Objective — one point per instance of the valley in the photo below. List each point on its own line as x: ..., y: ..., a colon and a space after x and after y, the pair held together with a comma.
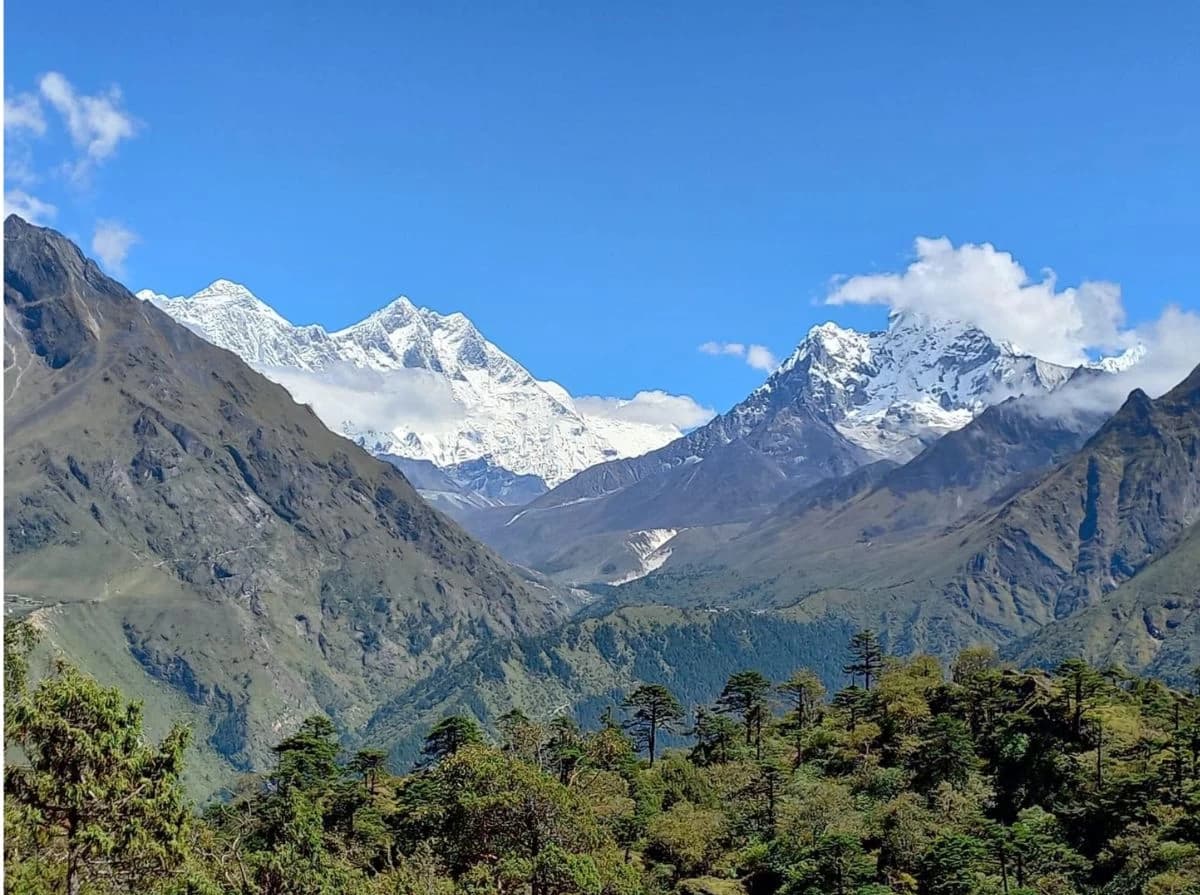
x: 925, y: 482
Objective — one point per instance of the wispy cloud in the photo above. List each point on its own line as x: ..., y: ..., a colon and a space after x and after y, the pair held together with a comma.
x: 31, y: 208
x: 111, y: 244
x: 24, y: 113
x: 760, y: 357
x: 97, y: 124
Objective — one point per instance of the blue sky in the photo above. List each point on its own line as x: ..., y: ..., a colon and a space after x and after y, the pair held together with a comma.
x: 605, y: 187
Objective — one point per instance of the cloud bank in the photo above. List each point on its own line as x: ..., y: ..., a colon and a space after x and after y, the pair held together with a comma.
x: 654, y: 407
x: 355, y: 399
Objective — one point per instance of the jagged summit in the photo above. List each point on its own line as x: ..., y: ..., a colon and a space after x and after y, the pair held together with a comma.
x: 892, y: 391
x: 476, y: 403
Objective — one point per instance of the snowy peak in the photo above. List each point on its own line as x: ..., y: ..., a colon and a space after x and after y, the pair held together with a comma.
x: 409, y: 382
x: 1126, y: 360
x: 231, y: 316
x: 226, y: 291
x: 891, y: 392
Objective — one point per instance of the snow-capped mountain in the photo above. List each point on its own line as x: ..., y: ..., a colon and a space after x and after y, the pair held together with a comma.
x: 891, y: 392
x: 409, y: 382
x: 842, y: 401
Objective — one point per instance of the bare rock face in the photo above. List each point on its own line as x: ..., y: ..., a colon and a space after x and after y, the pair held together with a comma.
x: 179, y: 524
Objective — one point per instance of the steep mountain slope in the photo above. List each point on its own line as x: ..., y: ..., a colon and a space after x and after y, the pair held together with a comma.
x: 409, y: 382
x: 179, y: 525
x: 902, y: 556
x: 1149, y: 625
x: 841, y: 401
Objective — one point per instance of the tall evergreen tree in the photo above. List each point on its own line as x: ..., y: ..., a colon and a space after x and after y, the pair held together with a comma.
x: 565, y: 747
x: 716, y: 738
x: 1081, y: 683
x: 91, y: 797
x: 866, y: 658
x: 309, y: 756
x: 369, y: 763
x: 745, y: 695
x: 804, y: 693
x: 449, y: 735
x: 655, y: 709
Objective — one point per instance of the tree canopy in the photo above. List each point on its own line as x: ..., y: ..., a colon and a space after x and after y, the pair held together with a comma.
x: 974, y: 780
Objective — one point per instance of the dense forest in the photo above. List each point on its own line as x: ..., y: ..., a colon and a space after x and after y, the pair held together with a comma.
x: 914, y: 778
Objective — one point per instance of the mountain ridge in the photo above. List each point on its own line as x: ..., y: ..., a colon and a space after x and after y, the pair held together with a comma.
x: 408, y: 381
x: 176, y: 523
x: 842, y: 400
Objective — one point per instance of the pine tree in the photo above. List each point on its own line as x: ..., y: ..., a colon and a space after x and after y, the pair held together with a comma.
x: 309, y: 756
x: 804, y: 692
x: 716, y: 737
x: 449, y: 735
x: 565, y: 747
x: 866, y: 658
x: 93, y: 799
x: 369, y: 763
x: 655, y: 709
x: 1081, y: 683
x: 745, y: 695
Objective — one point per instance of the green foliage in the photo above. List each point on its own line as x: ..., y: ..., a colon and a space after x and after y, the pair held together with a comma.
x: 745, y: 695
x: 985, y: 781
x: 449, y: 735
x: 90, y: 802
x: 655, y: 710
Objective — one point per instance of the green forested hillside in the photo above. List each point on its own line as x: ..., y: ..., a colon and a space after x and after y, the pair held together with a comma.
x: 912, y: 780
x: 181, y: 527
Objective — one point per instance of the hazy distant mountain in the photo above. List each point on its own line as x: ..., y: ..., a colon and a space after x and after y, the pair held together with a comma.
x: 178, y: 525
x: 409, y: 382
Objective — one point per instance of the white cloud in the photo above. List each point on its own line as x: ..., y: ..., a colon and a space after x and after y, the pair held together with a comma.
x: 1171, y: 351
x: 989, y: 288
x: 355, y: 400
x: 97, y: 124
x: 31, y: 208
x: 24, y: 113
x: 760, y: 357
x: 654, y: 407
x: 111, y: 244
x: 737, y: 349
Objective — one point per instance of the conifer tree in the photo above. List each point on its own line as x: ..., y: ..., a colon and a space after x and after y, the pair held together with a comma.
x: 449, y: 735
x: 91, y: 797
x: 804, y: 692
x: 369, y: 763
x: 745, y: 695
x: 866, y: 658
x: 655, y: 709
